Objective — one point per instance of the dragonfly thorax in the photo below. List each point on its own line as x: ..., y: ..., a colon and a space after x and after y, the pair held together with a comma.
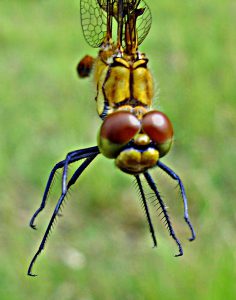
x: 125, y: 80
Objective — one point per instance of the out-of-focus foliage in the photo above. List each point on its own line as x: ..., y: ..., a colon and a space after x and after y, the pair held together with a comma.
x: 101, y: 248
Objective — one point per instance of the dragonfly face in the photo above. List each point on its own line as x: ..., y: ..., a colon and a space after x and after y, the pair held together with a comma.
x: 135, y: 144
x: 132, y: 133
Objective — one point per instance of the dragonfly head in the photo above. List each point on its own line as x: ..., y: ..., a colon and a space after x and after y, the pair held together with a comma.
x: 136, y: 145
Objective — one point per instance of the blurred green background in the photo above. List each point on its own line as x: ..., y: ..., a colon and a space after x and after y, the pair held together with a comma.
x: 101, y: 248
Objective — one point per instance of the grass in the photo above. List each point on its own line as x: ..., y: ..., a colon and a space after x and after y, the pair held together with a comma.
x: 101, y: 248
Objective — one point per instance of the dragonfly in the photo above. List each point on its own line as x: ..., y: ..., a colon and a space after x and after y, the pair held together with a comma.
x: 132, y: 133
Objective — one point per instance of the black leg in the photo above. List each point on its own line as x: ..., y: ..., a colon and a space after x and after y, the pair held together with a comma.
x: 74, y: 178
x: 174, y: 176
x: 75, y: 156
x: 166, y: 216
x: 146, y: 210
x: 78, y: 154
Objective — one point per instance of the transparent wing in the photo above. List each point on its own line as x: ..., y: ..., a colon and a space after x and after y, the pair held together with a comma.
x: 144, y: 22
x: 93, y: 14
x: 93, y: 22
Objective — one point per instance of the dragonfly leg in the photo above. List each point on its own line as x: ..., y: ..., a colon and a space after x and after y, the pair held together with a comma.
x: 45, y: 195
x: 146, y: 210
x: 76, y: 175
x: 79, y: 154
x: 174, y: 176
x: 152, y: 185
x: 75, y: 156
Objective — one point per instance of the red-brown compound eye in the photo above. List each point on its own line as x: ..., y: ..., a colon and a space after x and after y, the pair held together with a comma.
x: 159, y: 128
x: 117, y: 130
x: 120, y: 127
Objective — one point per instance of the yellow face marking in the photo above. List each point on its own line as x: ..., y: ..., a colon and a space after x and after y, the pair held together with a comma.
x: 141, y: 139
x: 133, y: 161
x: 150, y: 157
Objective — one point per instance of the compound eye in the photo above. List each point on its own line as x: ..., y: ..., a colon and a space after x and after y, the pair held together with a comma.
x: 159, y: 128
x: 116, y: 131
